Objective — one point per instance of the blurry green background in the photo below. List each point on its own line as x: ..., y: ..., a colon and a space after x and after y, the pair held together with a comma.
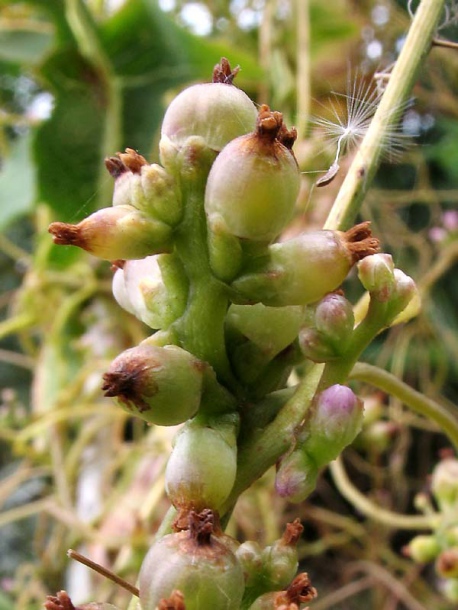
x: 78, y: 82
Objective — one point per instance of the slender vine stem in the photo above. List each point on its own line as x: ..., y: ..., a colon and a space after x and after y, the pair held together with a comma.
x: 364, y: 505
x: 411, y: 398
x: 401, y: 81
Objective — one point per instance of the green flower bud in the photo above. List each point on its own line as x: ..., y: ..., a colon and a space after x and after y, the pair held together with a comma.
x: 378, y: 435
x: 444, y: 483
x: 161, y: 385
x: 199, y: 565
x: 302, y: 270
x: 201, y: 470
x: 335, y: 422
x: 298, y: 593
x: 254, y: 182
x: 326, y: 335
x: 280, y: 559
x: 218, y: 112
x: 376, y: 274
x: 271, y: 329
x: 422, y: 549
x: 140, y: 289
x: 404, y: 291
x: 296, y: 476
x: 148, y: 188
x: 249, y: 555
x: 120, y: 232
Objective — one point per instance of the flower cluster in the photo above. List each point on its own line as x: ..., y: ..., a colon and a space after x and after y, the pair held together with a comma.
x: 195, y: 247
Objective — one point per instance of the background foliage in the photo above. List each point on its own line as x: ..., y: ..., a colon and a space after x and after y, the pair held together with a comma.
x: 82, y: 80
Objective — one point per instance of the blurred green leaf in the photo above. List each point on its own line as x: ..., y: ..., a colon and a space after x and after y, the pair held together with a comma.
x: 17, y: 182
x: 106, y: 103
x: 24, y: 46
x: 67, y: 146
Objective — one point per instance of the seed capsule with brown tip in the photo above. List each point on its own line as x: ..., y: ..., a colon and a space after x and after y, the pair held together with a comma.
x: 254, y: 182
x: 161, y: 385
x: 120, y: 232
x: 302, y: 270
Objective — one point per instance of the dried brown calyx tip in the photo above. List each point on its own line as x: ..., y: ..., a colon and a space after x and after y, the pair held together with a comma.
x: 270, y: 127
x: 202, y: 525
x: 360, y: 242
x: 127, y: 384
x: 287, y: 137
x: 292, y: 533
x: 298, y: 592
x: 60, y: 601
x: 128, y: 161
x: 222, y: 72
x: 174, y: 602
x: 117, y: 264
x: 115, y: 166
x: 132, y: 160
x: 65, y: 234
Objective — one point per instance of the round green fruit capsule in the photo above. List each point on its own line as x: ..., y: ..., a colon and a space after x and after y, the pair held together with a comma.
x: 161, y: 385
x: 202, y: 467
x: 201, y: 567
x: 254, y: 182
x: 218, y: 112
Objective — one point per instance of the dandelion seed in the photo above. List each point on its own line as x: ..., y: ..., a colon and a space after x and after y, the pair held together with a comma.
x: 351, y: 116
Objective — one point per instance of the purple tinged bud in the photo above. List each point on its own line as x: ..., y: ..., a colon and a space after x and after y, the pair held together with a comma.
x: 334, y: 317
x: 315, y: 347
x: 376, y: 274
x: 296, y: 476
x: 335, y: 423
x: 328, y: 330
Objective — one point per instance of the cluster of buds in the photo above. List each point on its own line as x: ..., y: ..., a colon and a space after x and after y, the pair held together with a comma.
x: 335, y: 421
x: 441, y: 546
x: 195, y: 247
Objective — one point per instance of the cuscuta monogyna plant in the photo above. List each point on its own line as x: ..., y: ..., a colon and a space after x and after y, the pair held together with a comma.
x: 230, y: 307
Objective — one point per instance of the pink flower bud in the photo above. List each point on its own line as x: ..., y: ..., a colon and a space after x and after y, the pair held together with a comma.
x: 336, y: 421
x: 328, y: 329
x: 296, y: 476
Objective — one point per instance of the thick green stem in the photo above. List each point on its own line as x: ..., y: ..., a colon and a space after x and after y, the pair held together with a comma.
x: 258, y: 452
x: 201, y: 328
x: 400, y: 84
x: 371, y: 510
x: 416, y: 401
